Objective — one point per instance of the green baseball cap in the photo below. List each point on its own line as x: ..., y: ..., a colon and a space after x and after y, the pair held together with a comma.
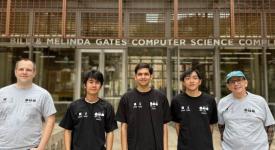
x: 234, y: 74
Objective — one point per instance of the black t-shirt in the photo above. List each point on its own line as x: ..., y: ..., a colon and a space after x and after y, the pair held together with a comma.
x: 89, y: 123
x: 145, y: 113
x: 195, y: 114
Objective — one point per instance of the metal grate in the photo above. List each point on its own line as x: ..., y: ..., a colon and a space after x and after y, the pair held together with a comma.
x: 99, y: 18
x: 92, y: 4
x: 2, y: 22
x: 3, y: 6
x: 270, y: 25
x: 224, y: 17
x: 47, y: 18
x: 47, y: 23
x: 248, y: 18
x: 195, y: 18
x: 143, y: 18
x: 269, y: 7
x: 99, y: 24
x: 146, y: 18
x: 19, y: 23
x: 146, y: 25
x: 71, y: 24
x: 225, y: 24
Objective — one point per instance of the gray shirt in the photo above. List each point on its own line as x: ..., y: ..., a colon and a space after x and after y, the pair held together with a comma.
x: 245, y: 122
x: 22, y: 112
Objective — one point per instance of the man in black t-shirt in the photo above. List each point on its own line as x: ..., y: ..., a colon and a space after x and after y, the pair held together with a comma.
x: 144, y: 114
x: 89, y: 122
x: 194, y: 114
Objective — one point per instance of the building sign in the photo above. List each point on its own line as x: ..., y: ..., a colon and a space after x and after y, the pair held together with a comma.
x: 140, y: 42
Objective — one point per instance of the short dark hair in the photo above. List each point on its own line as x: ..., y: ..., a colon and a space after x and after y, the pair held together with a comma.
x: 93, y: 74
x: 143, y: 65
x: 188, y: 72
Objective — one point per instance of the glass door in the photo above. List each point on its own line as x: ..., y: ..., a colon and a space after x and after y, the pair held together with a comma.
x: 246, y: 60
x: 156, y: 57
x: 110, y: 63
x: 201, y: 59
x: 114, y: 75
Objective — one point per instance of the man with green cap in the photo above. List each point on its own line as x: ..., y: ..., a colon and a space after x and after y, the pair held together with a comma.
x: 245, y: 120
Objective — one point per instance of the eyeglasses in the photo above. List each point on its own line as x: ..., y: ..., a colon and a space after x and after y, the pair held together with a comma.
x: 238, y: 80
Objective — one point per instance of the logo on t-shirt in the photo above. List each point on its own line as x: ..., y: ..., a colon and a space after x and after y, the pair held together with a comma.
x: 137, y: 105
x: 186, y: 108
x: 249, y: 110
x: 98, y: 115
x: 82, y: 115
x: 154, y: 105
x: 203, y: 109
x: 29, y: 100
x: 4, y: 100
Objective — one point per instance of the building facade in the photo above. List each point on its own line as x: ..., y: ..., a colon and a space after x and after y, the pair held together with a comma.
x: 65, y: 38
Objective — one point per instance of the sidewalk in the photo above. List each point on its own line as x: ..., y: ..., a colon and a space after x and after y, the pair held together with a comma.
x: 172, y: 139
x: 56, y: 142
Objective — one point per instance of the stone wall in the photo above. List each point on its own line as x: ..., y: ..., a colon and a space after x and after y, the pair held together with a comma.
x: 56, y: 141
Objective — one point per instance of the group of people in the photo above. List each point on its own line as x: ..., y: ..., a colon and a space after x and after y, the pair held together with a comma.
x: 244, y: 119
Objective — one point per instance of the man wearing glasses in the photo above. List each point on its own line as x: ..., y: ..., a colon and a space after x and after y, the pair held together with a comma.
x: 245, y: 120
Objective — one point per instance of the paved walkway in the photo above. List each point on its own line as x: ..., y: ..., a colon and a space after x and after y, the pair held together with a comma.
x: 172, y: 137
x: 56, y: 141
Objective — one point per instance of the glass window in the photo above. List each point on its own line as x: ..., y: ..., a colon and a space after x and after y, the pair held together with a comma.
x: 248, y: 24
x: 146, y: 17
x: 71, y: 24
x: 92, y: 4
x: 99, y: 24
x: 47, y: 23
x: 202, y: 60
x: 8, y: 58
x: 246, y: 60
x: 271, y: 75
x: 270, y: 23
x: 19, y: 23
x: 224, y: 24
x: 36, y: 4
x: 269, y: 7
x: 147, y: 25
x: 3, y: 6
x: 2, y: 22
x: 109, y: 62
x: 248, y: 18
x: 55, y: 72
x: 195, y: 18
x: 156, y: 57
x: 198, y: 24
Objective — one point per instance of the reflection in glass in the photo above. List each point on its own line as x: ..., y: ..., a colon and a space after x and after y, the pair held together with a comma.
x: 89, y: 61
x: 112, y: 70
x: 113, y: 75
x: 55, y: 73
x: 199, y: 59
x: 245, y: 60
x: 8, y: 58
x: 271, y: 75
x: 113, y: 78
x: 156, y: 57
x: 55, y: 68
